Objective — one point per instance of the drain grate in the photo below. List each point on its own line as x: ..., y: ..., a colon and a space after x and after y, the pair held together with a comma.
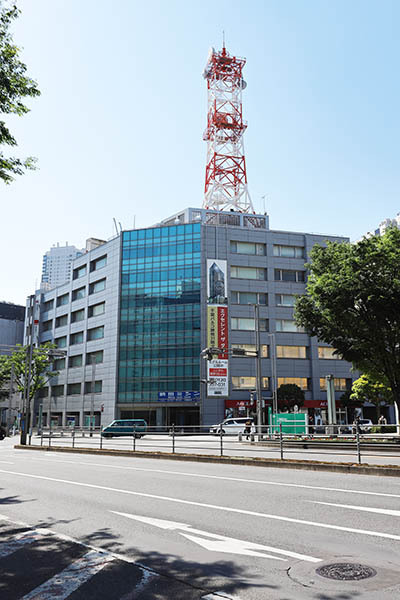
x: 346, y: 571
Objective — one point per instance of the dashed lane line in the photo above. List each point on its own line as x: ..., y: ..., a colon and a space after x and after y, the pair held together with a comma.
x: 211, y: 506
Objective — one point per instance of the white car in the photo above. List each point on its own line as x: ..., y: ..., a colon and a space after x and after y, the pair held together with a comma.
x: 365, y: 425
x: 232, y: 426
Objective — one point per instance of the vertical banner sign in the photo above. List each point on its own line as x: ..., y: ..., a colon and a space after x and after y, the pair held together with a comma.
x: 217, y: 327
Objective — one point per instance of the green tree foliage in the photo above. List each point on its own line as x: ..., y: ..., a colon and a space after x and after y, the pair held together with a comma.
x: 289, y: 394
x: 368, y: 388
x: 353, y: 303
x: 15, y: 85
x: 41, y: 370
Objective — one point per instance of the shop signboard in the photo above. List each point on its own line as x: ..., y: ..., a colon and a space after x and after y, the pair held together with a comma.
x: 217, y: 328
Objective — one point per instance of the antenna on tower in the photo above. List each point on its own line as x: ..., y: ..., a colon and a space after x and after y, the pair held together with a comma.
x: 226, y: 179
x: 223, y: 39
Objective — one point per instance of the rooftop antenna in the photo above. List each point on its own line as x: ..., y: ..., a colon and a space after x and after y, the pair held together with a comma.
x: 115, y: 225
x: 263, y: 199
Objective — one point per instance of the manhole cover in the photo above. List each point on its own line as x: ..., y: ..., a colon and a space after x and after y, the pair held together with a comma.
x: 346, y: 571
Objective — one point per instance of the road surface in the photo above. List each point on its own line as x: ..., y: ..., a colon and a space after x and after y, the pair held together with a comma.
x: 122, y: 527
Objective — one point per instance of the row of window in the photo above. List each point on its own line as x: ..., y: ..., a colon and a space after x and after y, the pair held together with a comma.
x: 73, y: 389
x: 63, y: 300
x: 260, y: 274
x: 324, y: 352
x: 77, y: 315
x: 77, y: 360
x: 262, y: 298
x: 94, y: 265
x: 341, y: 384
x: 96, y: 333
x: 281, y: 325
x: 259, y: 249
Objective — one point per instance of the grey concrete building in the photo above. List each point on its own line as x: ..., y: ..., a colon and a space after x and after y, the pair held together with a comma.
x: 144, y: 305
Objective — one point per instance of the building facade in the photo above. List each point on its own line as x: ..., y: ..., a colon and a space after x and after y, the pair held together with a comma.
x: 140, y: 309
x: 57, y: 265
x: 11, y: 333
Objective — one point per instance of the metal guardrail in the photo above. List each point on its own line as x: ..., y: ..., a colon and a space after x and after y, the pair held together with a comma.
x: 198, y: 440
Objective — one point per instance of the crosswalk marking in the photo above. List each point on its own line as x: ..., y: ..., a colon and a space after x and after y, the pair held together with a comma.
x: 67, y: 581
x: 19, y: 540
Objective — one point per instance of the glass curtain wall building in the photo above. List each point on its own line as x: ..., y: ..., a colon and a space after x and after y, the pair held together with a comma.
x: 159, y: 337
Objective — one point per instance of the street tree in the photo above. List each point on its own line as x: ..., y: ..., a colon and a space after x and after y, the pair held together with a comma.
x: 15, y: 85
x: 368, y: 388
x: 40, y: 373
x: 352, y: 303
x: 289, y: 395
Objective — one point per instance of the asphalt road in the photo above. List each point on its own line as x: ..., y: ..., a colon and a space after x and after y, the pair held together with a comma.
x: 209, y: 444
x: 121, y: 527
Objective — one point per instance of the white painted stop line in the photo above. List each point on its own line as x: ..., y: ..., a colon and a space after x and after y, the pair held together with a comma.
x: 18, y: 541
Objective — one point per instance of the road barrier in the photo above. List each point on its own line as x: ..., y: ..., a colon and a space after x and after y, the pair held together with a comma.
x: 199, y: 440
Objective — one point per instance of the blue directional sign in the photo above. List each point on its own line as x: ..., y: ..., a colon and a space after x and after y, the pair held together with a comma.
x: 178, y: 396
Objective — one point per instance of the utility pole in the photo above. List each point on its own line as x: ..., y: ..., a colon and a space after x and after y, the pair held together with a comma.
x: 92, y: 394
x: 28, y: 371
x: 273, y: 374
x: 258, y: 370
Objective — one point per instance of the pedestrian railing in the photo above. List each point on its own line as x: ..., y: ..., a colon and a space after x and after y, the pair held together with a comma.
x: 266, y: 441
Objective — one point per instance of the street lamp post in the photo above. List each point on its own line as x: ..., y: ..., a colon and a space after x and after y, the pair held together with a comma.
x: 273, y: 374
x: 258, y: 370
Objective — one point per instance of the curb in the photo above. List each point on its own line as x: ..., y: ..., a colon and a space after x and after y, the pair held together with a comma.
x: 386, y: 471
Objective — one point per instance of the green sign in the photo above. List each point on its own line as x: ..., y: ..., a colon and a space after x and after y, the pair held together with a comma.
x: 292, y: 423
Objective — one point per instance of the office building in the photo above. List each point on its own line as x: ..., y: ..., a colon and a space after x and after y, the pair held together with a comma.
x: 139, y: 309
x: 56, y: 266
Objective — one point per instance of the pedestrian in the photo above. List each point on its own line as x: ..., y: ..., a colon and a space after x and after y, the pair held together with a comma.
x: 382, y: 421
x: 3, y: 432
x: 247, y: 429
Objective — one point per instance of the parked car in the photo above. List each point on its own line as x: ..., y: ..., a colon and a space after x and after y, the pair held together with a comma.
x: 232, y: 426
x: 366, y: 425
x: 123, y: 427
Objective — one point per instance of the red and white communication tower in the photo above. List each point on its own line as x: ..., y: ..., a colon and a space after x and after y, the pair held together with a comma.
x: 226, y: 179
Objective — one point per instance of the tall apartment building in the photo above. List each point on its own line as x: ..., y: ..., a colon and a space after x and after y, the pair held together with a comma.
x: 57, y: 264
x: 140, y: 308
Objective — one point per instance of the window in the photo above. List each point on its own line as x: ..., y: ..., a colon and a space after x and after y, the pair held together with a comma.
x: 57, y: 390
x: 73, y: 389
x: 97, y: 286
x: 249, y: 298
x: 79, y: 293
x: 289, y: 251
x: 47, y: 325
x: 248, y: 324
x: 59, y: 364
x: 43, y: 392
x: 76, y: 338
x: 247, y: 248
x: 302, y: 382
x: 287, y: 326
x: 75, y: 361
x: 249, y: 383
x: 96, y: 333
x: 77, y: 315
x: 79, y: 272
x: 328, y: 352
x: 287, y: 275
x: 62, y: 321
x: 249, y: 273
x: 285, y: 299
x: 339, y: 383
x: 63, y: 300
x: 96, y: 309
x: 48, y: 305
x: 98, y: 386
x: 96, y: 357
x: 291, y: 352
x: 250, y: 348
x: 99, y: 263
x: 61, y: 342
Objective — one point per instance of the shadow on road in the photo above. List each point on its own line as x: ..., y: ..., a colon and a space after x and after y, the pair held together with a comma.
x: 14, y: 499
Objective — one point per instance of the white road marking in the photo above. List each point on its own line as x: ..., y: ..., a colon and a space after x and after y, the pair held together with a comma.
x: 212, y: 506
x: 382, y: 511
x: 18, y: 541
x: 221, y: 477
x: 71, y: 578
x: 6, y: 462
x: 223, y: 543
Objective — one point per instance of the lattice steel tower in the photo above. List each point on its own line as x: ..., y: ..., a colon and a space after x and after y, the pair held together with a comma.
x: 226, y: 179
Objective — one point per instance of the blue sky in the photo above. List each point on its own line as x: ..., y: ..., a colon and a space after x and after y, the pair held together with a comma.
x: 118, y: 128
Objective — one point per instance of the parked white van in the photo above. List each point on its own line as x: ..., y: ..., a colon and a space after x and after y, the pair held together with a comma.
x: 232, y: 426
